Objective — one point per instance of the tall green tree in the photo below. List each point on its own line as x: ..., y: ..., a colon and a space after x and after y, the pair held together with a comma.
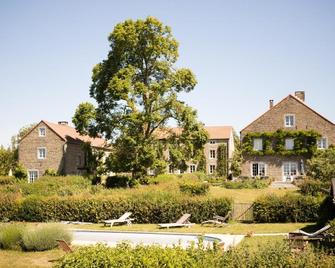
x: 7, y: 160
x: 237, y: 159
x: 222, y: 163
x: 322, y: 165
x: 136, y: 93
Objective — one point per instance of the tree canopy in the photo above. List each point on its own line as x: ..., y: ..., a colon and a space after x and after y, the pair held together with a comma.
x: 322, y: 165
x: 136, y: 93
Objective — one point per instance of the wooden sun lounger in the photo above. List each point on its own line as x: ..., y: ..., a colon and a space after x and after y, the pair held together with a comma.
x: 64, y: 246
x: 123, y: 219
x: 218, y: 220
x: 183, y: 221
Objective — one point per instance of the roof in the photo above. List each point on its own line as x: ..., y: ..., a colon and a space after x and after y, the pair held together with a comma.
x: 214, y: 132
x: 69, y: 134
x: 295, y: 98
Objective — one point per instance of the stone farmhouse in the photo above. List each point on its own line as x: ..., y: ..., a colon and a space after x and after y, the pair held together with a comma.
x: 56, y: 147
x: 278, y: 143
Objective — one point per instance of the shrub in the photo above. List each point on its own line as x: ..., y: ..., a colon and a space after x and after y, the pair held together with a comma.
x: 314, y: 187
x: 7, y: 180
x: 194, y: 188
x: 247, y: 184
x: 118, y: 182
x: 50, y: 172
x: 11, y: 236
x: 43, y: 237
x: 20, y: 172
x: 9, y: 207
x: 288, y: 208
x: 327, y: 210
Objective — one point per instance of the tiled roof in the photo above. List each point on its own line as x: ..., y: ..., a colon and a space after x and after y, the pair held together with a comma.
x: 214, y: 132
x: 69, y: 134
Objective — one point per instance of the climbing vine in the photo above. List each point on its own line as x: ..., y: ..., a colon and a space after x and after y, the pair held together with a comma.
x: 274, y: 142
x: 222, y: 163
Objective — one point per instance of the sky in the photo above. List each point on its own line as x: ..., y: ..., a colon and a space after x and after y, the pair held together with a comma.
x: 243, y: 53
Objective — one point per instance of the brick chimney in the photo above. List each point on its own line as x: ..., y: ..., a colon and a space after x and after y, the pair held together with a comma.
x: 270, y: 104
x: 300, y: 95
x: 64, y: 123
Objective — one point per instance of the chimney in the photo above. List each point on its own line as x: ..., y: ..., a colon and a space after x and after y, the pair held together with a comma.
x: 300, y: 95
x: 270, y: 104
x: 64, y: 123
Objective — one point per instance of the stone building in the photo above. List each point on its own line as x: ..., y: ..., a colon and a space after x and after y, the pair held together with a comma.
x: 56, y: 147
x: 285, y: 157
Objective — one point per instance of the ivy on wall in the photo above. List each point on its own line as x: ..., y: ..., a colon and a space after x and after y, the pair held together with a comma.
x: 274, y: 142
x: 222, y: 163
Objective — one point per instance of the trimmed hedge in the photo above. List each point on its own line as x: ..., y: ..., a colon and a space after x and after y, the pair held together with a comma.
x: 194, y: 188
x: 146, y: 208
x: 247, y: 184
x: 314, y: 187
x: 288, y: 208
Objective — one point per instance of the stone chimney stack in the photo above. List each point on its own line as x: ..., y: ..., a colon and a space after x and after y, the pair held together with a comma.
x: 270, y: 104
x: 300, y: 95
x: 64, y: 123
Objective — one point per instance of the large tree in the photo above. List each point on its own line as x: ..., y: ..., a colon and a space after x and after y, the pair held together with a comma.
x: 136, y: 93
x: 322, y: 165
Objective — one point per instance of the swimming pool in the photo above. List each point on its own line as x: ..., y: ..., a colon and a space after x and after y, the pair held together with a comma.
x: 111, y: 238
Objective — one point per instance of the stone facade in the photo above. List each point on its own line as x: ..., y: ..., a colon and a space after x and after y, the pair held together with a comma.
x: 304, y: 118
x: 57, y: 147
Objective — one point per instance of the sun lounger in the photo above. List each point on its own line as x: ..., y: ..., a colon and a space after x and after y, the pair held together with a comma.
x: 183, y: 221
x: 64, y: 246
x: 123, y: 219
x: 218, y: 220
x: 309, y: 235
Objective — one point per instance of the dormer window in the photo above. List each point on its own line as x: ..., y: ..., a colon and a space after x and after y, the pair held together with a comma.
x: 41, y: 132
x: 258, y: 144
x: 289, y: 120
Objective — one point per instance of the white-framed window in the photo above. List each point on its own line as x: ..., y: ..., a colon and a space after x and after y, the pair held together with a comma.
x: 258, y: 144
x: 42, y: 132
x: 212, y: 154
x: 192, y: 168
x: 258, y: 169
x: 41, y: 153
x: 322, y: 143
x: 289, y: 120
x: 289, y: 144
x: 212, y: 169
x: 290, y: 170
x: 32, y: 175
x: 212, y: 142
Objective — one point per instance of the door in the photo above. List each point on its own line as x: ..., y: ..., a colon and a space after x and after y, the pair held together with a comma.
x: 290, y: 171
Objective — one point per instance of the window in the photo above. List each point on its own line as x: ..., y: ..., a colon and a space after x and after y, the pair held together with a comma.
x: 258, y: 144
x: 212, y: 169
x: 289, y: 144
x: 290, y: 169
x: 78, y: 161
x: 212, y: 142
x: 212, y: 154
x: 322, y: 143
x: 192, y: 168
x: 258, y: 170
x: 41, y: 132
x: 289, y: 120
x: 171, y: 170
x: 32, y: 175
x: 41, y: 153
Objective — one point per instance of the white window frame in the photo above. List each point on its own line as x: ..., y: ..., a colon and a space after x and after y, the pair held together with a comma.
x: 290, y: 176
x: 259, y: 174
x: 33, y: 179
x: 192, y: 168
x: 289, y: 143
x: 288, y: 123
x: 38, y: 153
x: 212, y: 169
x: 257, y: 144
x: 322, y: 143
x: 212, y: 154
x: 40, y: 134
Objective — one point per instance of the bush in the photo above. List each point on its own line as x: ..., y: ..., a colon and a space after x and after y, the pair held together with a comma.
x: 247, y: 184
x: 20, y: 172
x: 9, y: 207
x: 194, y: 188
x: 314, y: 187
x: 10, y: 236
x: 50, y: 172
x: 267, y: 255
x: 288, y: 208
x: 120, y: 182
x: 7, y: 180
x: 43, y: 237
x: 146, y: 208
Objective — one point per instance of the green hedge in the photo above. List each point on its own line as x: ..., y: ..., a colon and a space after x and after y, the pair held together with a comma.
x: 314, y: 187
x: 194, y: 188
x: 146, y: 208
x: 247, y: 184
x: 288, y: 208
x: 276, y: 254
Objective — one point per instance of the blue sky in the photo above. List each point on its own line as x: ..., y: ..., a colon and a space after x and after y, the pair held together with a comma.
x: 242, y: 52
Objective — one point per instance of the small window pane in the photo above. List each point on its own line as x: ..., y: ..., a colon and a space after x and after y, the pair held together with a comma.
x: 212, y: 154
x: 289, y: 120
x: 258, y: 144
